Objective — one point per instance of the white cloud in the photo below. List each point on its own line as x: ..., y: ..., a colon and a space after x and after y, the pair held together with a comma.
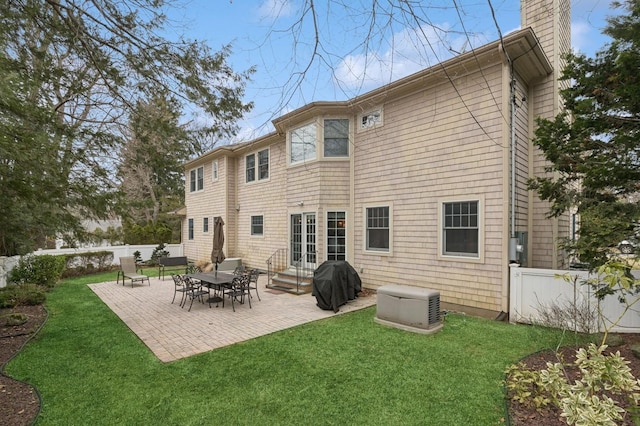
x: 580, y: 32
x: 274, y: 9
x: 411, y: 50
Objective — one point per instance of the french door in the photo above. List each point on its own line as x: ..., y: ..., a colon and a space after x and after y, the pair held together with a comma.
x: 303, y: 240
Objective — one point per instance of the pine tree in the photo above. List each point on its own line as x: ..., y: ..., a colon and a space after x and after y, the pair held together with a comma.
x: 73, y: 75
x: 594, y: 146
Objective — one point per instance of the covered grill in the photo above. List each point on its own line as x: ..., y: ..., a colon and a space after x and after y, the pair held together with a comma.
x: 334, y: 284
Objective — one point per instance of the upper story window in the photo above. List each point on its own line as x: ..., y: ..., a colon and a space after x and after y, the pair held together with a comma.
x: 370, y: 119
x: 263, y: 166
x: 214, y: 170
x: 336, y: 138
x: 196, y: 179
x: 302, y: 143
x: 461, y: 228
x: 250, y: 167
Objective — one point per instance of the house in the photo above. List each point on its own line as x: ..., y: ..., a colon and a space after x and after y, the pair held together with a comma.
x: 420, y: 182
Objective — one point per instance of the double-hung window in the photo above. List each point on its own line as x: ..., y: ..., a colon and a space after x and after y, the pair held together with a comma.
x: 257, y: 225
x: 214, y: 170
x: 378, y: 229
x: 461, y: 228
x: 250, y: 167
x: 263, y: 166
x: 302, y: 144
x: 336, y: 138
x: 196, y: 179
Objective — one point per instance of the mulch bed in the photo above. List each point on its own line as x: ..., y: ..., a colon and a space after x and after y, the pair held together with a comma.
x: 527, y: 416
x: 19, y: 403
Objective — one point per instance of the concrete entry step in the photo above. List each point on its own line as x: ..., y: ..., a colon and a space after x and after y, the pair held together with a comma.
x: 286, y: 281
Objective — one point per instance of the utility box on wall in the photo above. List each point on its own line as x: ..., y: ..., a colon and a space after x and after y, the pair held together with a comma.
x: 518, y: 248
x: 409, y: 308
x: 521, y: 248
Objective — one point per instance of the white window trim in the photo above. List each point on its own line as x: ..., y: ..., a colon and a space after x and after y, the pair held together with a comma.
x: 481, y: 230
x: 251, y: 234
x: 258, y: 178
x: 214, y: 170
x: 365, y: 250
x: 380, y: 123
x: 306, y: 161
x: 326, y: 227
x: 255, y: 167
x: 195, y: 169
x: 349, y: 142
x: 191, y: 229
x: 256, y: 163
x: 209, y: 223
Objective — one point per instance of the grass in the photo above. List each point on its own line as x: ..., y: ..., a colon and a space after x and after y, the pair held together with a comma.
x: 91, y: 369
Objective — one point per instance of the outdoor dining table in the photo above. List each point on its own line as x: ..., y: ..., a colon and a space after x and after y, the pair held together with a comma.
x: 217, y: 280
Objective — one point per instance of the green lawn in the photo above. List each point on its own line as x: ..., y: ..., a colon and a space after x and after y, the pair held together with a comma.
x: 90, y: 369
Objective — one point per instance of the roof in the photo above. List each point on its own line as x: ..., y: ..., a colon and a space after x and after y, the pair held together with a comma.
x: 232, y: 149
x: 521, y: 48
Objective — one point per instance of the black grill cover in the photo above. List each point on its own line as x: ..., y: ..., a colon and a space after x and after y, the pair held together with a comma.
x: 334, y: 284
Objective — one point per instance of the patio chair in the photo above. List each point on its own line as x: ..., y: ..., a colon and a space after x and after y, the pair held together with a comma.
x: 237, y: 290
x: 253, y: 281
x: 128, y: 270
x: 194, y: 290
x: 193, y: 269
x: 239, y: 270
x: 180, y: 287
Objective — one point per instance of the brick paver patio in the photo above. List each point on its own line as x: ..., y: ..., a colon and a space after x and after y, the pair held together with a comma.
x: 171, y: 332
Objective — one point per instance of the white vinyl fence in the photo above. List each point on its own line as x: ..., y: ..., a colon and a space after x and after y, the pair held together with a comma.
x: 8, y: 263
x: 540, y: 296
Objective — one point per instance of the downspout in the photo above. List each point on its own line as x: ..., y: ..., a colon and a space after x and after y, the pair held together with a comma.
x: 510, y: 194
x: 351, y: 211
x: 513, y: 254
x: 512, y: 144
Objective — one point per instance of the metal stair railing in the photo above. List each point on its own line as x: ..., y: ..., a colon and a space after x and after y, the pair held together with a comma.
x: 303, y: 270
x: 276, y: 263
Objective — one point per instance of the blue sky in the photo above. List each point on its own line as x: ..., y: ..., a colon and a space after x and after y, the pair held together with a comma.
x: 268, y: 34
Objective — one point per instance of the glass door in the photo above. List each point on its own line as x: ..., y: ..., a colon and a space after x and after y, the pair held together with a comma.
x: 303, y: 240
x: 336, y: 236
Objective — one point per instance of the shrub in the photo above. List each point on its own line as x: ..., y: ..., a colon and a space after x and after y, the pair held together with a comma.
x: 16, y: 318
x: 147, y: 234
x: 44, y: 270
x: 581, y: 403
x: 21, y: 295
x: 158, y: 252
x: 87, y: 263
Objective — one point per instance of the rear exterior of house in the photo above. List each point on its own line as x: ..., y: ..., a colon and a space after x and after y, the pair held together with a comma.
x: 411, y: 183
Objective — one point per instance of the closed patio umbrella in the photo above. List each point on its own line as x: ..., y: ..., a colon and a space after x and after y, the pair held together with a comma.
x: 217, y: 255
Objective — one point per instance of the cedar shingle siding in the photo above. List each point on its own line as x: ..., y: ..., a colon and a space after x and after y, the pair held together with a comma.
x: 434, y: 144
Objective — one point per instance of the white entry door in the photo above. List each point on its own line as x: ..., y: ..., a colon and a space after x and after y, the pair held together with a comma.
x: 303, y: 240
